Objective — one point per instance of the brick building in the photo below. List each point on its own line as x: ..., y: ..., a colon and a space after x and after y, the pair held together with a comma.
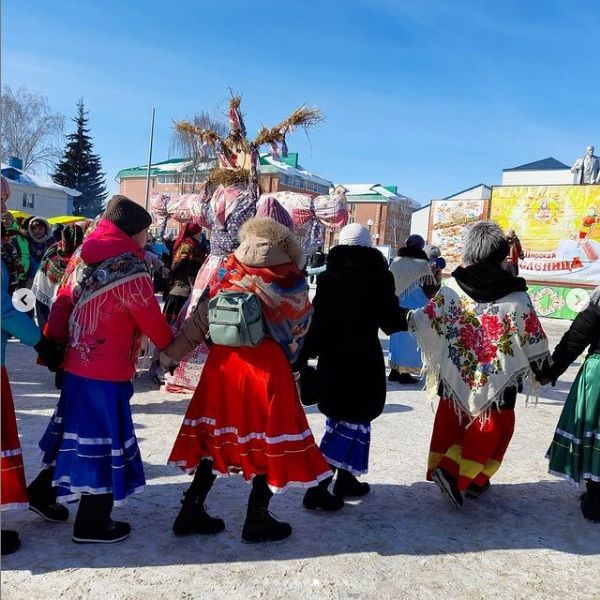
x: 381, y: 209
x: 176, y: 176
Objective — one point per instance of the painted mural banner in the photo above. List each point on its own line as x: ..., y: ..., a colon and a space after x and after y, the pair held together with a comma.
x: 448, y: 222
x: 559, y: 229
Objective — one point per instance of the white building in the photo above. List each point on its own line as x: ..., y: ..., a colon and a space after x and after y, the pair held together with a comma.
x: 420, y: 218
x: 547, y: 171
x: 37, y: 196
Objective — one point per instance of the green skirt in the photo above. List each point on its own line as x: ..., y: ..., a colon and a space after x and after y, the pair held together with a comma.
x: 575, y: 449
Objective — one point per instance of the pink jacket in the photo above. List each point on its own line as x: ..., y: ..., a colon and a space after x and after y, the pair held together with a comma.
x: 103, y: 335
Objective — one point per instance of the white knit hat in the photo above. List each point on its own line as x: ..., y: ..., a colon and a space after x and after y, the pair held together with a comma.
x: 355, y: 234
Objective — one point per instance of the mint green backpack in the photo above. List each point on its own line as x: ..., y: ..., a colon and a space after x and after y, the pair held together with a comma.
x: 235, y: 319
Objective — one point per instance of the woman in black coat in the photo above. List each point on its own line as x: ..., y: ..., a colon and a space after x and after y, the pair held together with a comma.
x: 355, y: 298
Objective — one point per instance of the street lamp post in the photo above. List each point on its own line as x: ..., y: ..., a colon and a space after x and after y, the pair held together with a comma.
x: 369, y: 225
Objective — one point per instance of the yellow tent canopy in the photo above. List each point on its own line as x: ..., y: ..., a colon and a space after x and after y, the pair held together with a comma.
x: 19, y: 214
x: 65, y: 219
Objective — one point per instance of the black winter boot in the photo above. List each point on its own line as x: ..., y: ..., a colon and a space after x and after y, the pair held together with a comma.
x: 192, y: 517
x: 474, y: 491
x: 319, y: 497
x: 93, y: 524
x: 590, y: 501
x: 447, y: 483
x: 42, y: 498
x: 260, y: 525
x: 406, y: 378
x: 394, y: 375
x: 347, y: 485
x: 10, y: 542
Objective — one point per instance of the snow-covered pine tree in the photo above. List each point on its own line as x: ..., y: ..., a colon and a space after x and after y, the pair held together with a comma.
x: 81, y: 169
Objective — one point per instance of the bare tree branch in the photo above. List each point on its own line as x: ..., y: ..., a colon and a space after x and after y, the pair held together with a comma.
x: 30, y: 130
x: 189, y: 145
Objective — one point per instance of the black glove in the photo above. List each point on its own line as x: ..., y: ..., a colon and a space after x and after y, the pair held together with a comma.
x: 51, y: 354
x: 545, y: 374
x: 309, y: 386
x: 59, y: 378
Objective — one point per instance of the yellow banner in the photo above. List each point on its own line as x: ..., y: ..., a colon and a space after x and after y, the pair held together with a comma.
x: 559, y: 229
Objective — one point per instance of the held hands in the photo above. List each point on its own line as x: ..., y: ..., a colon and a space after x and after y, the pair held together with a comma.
x: 166, y: 362
x: 544, y: 375
x: 50, y: 353
x: 545, y: 380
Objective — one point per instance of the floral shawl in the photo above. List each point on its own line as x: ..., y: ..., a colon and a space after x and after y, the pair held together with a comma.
x: 57, y: 256
x: 477, y: 350
x: 90, y: 282
x: 10, y: 255
x: 54, y: 263
x: 283, y: 294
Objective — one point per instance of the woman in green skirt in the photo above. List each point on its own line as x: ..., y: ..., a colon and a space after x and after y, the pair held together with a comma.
x: 575, y: 449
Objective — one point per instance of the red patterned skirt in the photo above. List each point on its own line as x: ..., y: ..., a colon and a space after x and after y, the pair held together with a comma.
x: 13, y: 490
x: 245, y: 415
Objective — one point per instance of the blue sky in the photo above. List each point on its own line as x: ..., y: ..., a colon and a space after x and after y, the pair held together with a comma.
x: 431, y: 95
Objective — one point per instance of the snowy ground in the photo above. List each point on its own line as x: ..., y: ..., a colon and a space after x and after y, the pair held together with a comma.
x: 524, y: 539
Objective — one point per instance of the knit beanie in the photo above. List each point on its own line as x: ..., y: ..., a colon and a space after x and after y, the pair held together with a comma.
x: 127, y: 215
x: 268, y: 206
x: 355, y: 234
x: 415, y: 241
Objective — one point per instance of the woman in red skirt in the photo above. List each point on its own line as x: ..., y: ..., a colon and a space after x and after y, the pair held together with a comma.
x: 245, y: 416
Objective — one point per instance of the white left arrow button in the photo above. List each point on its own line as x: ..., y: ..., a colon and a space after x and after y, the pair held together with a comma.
x: 23, y: 299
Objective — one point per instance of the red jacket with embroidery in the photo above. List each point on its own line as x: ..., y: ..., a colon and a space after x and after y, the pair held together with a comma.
x: 103, y: 338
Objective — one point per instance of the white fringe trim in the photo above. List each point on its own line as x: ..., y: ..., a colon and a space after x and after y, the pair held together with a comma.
x: 434, y: 378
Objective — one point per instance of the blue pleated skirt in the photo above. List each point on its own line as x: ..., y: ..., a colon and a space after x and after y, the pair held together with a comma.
x: 91, y: 442
x: 346, y: 445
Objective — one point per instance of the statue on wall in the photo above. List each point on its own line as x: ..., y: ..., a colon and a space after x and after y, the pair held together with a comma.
x: 587, y: 168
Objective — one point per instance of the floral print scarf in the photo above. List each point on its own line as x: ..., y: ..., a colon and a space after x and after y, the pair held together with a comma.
x: 10, y: 256
x: 477, y: 350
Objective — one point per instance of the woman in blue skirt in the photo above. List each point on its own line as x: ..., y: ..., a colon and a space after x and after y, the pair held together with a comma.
x: 100, y: 314
x: 412, y: 273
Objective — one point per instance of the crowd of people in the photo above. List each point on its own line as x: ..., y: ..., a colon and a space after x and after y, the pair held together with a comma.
x: 477, y: 337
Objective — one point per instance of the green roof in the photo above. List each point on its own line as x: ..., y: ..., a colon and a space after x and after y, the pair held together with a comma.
x: 291, y: 159
x: 288, y: 165
x: 158, y: 168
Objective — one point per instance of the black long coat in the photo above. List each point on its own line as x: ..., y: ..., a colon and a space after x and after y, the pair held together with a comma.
x: 355, y: 298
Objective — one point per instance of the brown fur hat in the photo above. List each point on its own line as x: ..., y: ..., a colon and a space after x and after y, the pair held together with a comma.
x: 265, y: 242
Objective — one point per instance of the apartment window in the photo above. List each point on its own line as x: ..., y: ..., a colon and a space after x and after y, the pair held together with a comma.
x: 293, y: 182
x: 168, y: 178
x: 28, y: 200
